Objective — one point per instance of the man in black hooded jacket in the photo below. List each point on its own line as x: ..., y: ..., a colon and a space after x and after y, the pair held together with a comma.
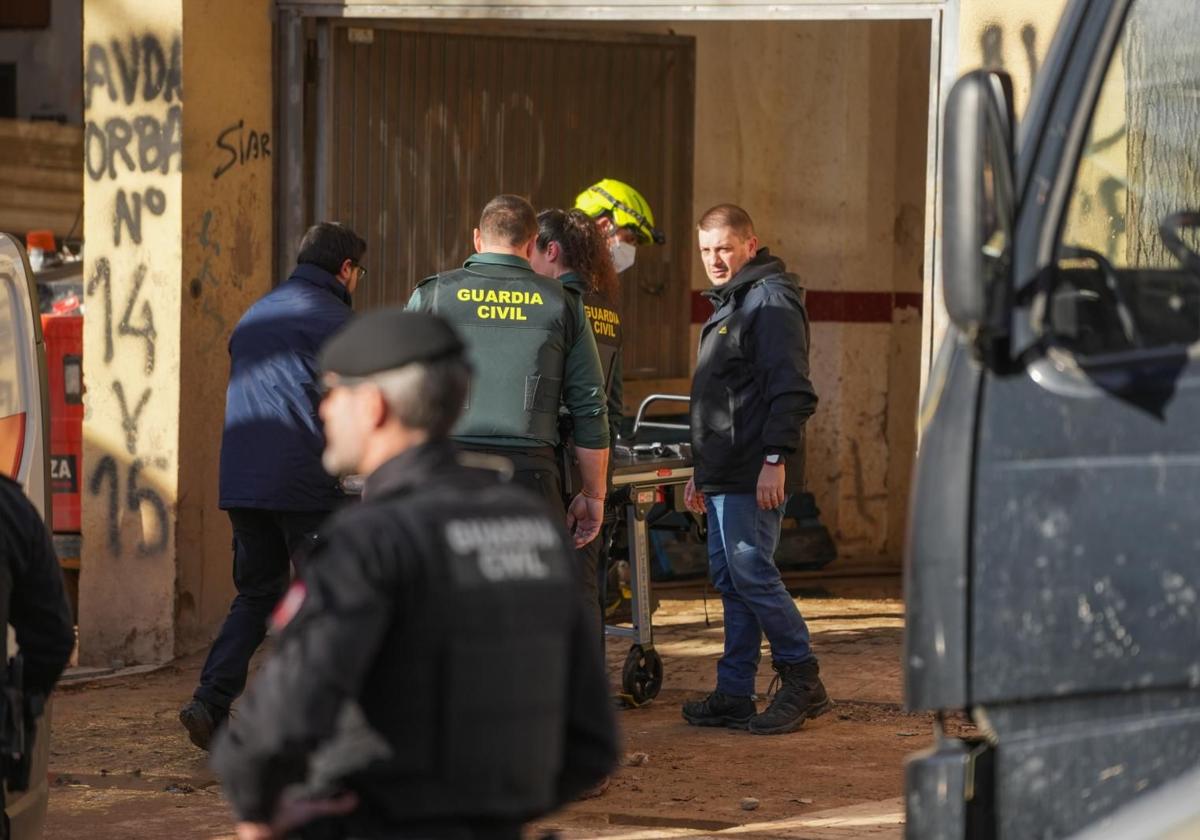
x: 751, y: 397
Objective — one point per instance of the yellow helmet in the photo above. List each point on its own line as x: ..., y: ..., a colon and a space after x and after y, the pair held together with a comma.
x: 628, y: 208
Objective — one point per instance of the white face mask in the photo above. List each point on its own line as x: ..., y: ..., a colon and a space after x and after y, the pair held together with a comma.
x: 623, y: 255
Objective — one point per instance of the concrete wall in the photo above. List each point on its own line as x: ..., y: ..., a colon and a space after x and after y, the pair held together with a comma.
x: 174, y: 253
x: 48, y: 64
x: 819, y: 130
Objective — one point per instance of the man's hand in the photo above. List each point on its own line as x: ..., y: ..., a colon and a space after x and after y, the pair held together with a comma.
x: 770, y: 486
x: 693, y: 499
x: 584, y: 518
x: 294, y: 813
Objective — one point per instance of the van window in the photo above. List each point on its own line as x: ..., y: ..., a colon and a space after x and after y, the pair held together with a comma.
x: 1118, y: 284
x: 15, y: 348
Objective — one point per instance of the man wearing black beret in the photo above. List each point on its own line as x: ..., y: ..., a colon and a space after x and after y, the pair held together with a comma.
x: 434, y: 676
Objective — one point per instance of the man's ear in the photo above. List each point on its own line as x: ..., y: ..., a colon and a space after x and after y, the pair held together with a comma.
x: 553, y: 252
x: 605, y: 225
x: 478, y: 241
x: 529, y: 248
x: 376, y: 408
x: 753, y: 243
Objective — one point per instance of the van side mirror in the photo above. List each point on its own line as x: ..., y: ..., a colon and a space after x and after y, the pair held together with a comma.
x: 979, y: 208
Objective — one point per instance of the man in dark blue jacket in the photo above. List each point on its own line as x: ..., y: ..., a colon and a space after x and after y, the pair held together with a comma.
x: 273, y: 484
x: 751, y: 397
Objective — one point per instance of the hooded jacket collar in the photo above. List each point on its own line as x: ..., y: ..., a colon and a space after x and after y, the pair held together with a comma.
x: 322, y: 279
x: 763, y: 265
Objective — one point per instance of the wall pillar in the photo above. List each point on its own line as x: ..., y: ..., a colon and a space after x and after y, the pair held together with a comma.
x: 177, y: 227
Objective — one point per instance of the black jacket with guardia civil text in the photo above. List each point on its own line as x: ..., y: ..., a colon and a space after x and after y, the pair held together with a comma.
x: 435, y: 660
x: 751, y: 393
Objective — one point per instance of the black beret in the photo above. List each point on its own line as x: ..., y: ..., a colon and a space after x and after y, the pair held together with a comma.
x: 385, y: 339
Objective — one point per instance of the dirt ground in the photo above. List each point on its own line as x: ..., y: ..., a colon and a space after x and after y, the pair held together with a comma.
x: 121, y: 766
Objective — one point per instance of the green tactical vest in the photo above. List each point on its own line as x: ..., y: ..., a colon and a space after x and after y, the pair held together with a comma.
x: 518, y: 329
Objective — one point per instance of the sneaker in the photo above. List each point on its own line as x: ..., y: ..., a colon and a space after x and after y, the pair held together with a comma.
x: 799, y: 695
x: 719, y: 709
x: 201, y: 720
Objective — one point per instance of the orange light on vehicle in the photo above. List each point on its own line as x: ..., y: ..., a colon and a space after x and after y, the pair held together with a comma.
x: 12, y: 443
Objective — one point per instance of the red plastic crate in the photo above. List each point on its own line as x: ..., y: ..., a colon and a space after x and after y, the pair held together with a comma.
x: 64, y: 364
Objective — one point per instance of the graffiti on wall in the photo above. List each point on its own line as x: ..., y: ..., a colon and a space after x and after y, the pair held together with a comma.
x: 137, y: 81
x: 209, y: 279
x: 1101, y: 196
x: 239, y: 146
x: 991, y: 45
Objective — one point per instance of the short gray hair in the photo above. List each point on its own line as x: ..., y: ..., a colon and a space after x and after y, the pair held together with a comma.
x: 429, y: 396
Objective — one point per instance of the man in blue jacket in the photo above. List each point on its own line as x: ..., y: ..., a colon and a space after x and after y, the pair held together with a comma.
x: 273, y: 485
x: 751, y: 397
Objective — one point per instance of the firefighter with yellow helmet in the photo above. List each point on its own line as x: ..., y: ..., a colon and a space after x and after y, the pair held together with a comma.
x: 623, y: 215
x: 624, y: 218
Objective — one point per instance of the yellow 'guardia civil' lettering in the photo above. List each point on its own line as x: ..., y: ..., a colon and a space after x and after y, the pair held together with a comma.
x: 599, y: 313
x: 514, y: 297
x: 600, y: 328
x: 500, y: 313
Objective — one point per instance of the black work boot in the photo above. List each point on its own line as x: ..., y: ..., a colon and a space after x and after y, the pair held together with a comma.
x: 201, y: 721
x: 799, y: 696
x: 719, y: 709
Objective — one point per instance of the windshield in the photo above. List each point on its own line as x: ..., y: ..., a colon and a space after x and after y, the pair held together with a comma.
x: 1128, y: 276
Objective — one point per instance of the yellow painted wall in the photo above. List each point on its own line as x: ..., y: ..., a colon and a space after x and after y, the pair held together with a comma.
x: 227, y: 225
x: 133, y: 207
x: 1011, y: 35
x: 154, y: 361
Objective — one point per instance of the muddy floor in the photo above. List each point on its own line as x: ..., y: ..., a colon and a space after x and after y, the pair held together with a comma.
x: 121, y: 766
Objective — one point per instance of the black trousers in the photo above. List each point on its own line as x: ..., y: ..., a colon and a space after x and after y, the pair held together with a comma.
x: 265, y: 545
x: 593, y: 569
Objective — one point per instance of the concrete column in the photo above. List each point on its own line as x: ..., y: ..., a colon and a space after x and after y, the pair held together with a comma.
x: 177, y: 223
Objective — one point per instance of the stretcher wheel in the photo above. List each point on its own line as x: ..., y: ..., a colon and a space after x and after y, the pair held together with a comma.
x: 641, y: 678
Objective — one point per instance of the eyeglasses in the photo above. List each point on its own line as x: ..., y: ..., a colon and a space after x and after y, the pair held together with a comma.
x: 362, y: 271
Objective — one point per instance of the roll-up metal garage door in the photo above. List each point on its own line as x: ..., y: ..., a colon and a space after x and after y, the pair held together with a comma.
x: 425, y: 124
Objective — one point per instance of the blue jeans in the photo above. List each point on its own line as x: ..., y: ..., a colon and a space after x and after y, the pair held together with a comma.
x: 741, y: 563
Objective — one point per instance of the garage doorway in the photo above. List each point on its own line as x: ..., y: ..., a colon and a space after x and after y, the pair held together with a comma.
x: 821, y: 119
x: 427, y: 122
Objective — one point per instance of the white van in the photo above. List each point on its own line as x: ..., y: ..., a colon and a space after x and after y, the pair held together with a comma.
x: 24, y: 433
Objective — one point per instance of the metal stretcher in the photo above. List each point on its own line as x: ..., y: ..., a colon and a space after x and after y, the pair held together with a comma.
x: 641, y: 473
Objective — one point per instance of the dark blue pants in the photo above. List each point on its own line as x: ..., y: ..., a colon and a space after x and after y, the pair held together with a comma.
x: 266, y: 544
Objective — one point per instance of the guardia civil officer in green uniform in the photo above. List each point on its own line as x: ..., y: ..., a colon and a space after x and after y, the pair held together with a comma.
x: 571, y: 249
x: 586, y: 248
x: 434, y: 674
x: 532, y: 348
